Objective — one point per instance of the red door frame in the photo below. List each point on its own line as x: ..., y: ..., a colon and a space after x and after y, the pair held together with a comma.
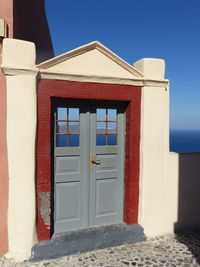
x: 90, y: 91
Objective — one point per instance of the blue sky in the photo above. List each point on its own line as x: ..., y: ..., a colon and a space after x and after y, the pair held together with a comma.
x: 168, y: 29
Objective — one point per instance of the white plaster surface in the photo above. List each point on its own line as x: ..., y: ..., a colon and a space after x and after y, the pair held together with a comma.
x: 152, y: 159
x: 21, y: 131
x: 85, y: 50
x: 61, y: 75
x: 169, y: 182
x: 153, y: 68
x: 21, y: 134
x: 158, y: 210
x: 159, y: 177
x: 18, y: 53
x: 95, y: 63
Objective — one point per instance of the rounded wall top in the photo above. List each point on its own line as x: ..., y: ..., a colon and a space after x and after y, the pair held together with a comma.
x: 152, y: 68
x: 18, y: 53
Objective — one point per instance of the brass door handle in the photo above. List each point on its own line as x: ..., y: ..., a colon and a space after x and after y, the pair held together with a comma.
x: 97, y: 161
x: 93, y: 161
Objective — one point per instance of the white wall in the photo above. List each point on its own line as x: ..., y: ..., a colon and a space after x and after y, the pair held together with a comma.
x: 169, y: 182
x: 21, y: 134
x: 154, y: 154
x: 158, y: 203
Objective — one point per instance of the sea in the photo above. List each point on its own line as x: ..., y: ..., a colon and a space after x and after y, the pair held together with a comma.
x: 182, y: 141
x: 185, y: 141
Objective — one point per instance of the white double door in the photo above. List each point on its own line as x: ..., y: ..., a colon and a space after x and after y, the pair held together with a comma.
x: 88, y: 165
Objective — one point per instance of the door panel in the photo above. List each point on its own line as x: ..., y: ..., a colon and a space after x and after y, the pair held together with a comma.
x: 70, y: 196
x: 106, y: 177
x: 89, y: 159
x: 69, y: 193
x: 68, y: 207
x: 108, y: 162
x: 106, y: 197
x: 108, y: 166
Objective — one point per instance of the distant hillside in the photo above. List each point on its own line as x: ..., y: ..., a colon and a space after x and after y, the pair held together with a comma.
x: 75, y: 129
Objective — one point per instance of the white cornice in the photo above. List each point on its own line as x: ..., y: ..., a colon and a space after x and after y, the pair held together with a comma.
x: 46, y: 74
x: 19, y: 70
x: 51, y: 75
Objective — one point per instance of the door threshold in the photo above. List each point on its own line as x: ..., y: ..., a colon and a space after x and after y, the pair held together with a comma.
x: 84, y: 240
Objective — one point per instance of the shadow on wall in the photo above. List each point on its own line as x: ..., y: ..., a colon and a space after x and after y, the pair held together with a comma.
x: 30, y: 24
x: 189, y: 203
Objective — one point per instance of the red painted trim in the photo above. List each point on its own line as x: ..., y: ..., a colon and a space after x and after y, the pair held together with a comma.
x: 95, y: 91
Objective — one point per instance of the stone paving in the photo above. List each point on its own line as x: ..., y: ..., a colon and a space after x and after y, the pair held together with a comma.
x: 181, y: 250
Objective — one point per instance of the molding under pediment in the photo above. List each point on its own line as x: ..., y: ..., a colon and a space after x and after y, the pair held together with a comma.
x: 51, y: 75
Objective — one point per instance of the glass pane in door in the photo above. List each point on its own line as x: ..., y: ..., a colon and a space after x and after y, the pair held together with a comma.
x: 67, y: 127
x: 106, y: 127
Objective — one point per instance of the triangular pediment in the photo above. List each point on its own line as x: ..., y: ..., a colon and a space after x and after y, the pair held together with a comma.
x: 91, y: 59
